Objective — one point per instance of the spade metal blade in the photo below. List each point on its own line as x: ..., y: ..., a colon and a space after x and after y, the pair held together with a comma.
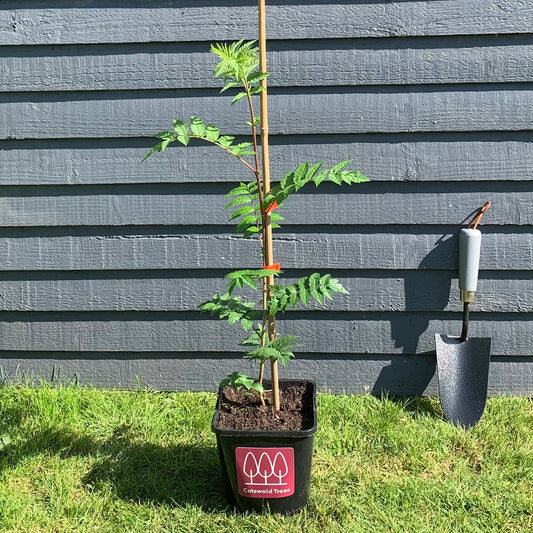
x: 463, y: 371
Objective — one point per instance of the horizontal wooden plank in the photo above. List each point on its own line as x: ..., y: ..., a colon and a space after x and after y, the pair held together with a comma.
x: 452, y: 157
x: 376, y: 203
x: 31, y: 23
x: 350, y: 333
x: 368, y: 250
x: 421, y: 290
x: 358, y: 374
x: 127, y: 114
x: 322, y: 63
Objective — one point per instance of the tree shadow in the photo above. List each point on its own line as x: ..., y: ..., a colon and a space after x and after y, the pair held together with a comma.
x: 398, y: 378
x: 175, y: 474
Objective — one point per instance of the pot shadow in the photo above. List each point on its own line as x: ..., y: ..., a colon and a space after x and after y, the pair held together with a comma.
x: 174, y: 475
x: 171, y: 475
x: 427, y: 290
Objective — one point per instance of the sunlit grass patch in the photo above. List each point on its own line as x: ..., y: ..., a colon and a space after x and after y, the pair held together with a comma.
x: 82, y: 459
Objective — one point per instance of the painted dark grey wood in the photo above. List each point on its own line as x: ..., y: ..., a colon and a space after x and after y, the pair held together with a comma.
x: 324, y: 250
x: 26, y: 23
x: 417, y: 290
x: 359, y: 374
x: 308, y: 64
x: 372, y: 333
x: 103, y: 261
x: 451, y: 157
x: 378, y: 204
x: 388, y: 111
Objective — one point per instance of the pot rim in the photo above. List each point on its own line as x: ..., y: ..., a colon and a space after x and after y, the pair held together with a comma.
x: 269, y: 433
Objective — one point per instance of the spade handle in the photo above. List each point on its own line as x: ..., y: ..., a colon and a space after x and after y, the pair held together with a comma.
x: 469, y: 253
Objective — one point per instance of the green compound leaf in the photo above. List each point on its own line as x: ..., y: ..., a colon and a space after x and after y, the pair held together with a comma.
x: 232, y: 309
x: 304, y: 174
x: 316, y: 287
x: 237, y: 61
x: 279, y: 349
x: 238, y: 380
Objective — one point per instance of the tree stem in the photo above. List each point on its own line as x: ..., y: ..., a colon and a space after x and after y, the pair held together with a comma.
x: 268, y: 255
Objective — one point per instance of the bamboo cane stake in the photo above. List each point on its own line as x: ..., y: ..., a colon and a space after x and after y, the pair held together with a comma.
x: 265, y: 155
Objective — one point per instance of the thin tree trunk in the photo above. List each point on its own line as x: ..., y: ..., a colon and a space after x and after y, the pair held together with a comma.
x: 268, y: 254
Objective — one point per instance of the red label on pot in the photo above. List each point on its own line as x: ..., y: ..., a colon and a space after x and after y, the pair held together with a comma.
x: 265, y: 472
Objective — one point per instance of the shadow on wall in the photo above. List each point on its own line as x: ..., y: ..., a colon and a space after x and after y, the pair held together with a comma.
x: 398, y: 377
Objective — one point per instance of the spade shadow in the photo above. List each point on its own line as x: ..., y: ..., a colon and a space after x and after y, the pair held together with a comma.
x: 427, y: 289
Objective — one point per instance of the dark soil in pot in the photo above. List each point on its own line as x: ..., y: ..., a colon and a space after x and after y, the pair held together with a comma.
x: 242, y: 410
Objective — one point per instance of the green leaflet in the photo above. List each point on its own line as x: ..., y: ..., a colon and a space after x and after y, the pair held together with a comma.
x: 250, y: 231
x: 238, y: 97
x: 225, y: 141
x: 245, y: 222
x: 246, y: 210
x: 256, y: 77
x: 259, y: 273
x: 212, y: 133
x: 182, y: 130
x: 238, y: 201
x: 243, y: 188
x: 241, y: 149
x: 314, y: 287
x: 198, y: 127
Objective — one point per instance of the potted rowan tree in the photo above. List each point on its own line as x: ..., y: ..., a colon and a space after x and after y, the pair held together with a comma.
x: 264, y: 429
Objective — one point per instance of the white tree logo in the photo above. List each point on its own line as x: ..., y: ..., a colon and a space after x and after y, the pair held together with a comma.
x: 265, y: 471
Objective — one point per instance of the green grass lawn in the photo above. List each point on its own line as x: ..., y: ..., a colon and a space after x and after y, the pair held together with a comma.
x: 90, y: 460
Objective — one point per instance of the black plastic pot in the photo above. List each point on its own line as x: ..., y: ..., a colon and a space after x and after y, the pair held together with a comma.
x: 267, y: 469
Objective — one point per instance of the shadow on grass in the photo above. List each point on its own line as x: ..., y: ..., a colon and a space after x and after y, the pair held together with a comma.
x: 418, y: 405
x: 175, y: 475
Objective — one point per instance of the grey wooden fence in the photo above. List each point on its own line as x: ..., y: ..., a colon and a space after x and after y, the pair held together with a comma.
x: 103, y: 260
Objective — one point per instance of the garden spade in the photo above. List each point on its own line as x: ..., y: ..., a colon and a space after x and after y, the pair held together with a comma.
x: 463, y: 362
